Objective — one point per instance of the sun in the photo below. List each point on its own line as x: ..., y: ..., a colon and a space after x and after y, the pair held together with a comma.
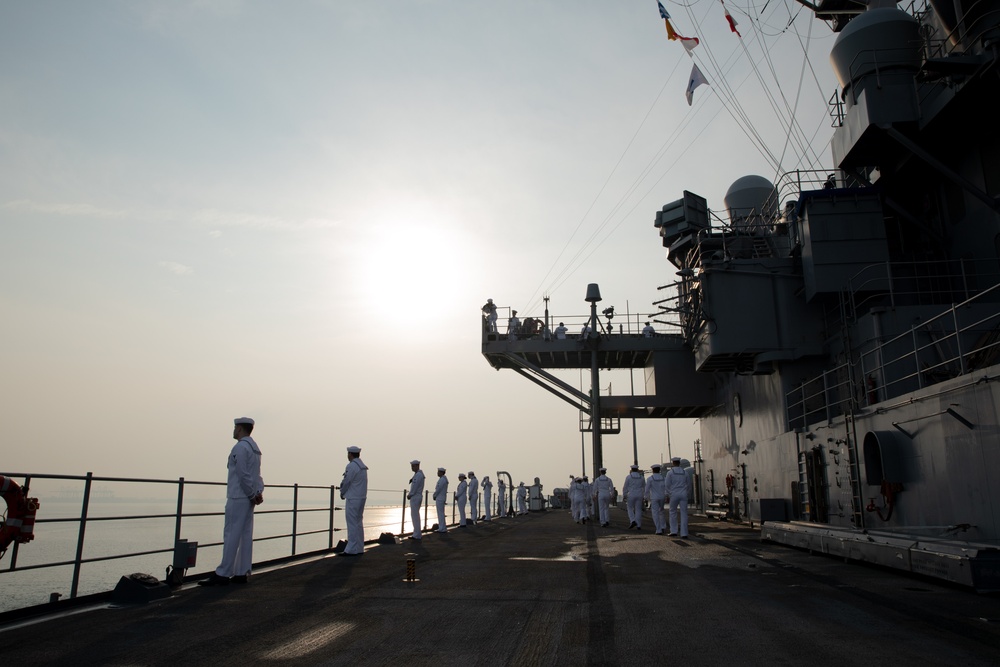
x: 414, y: 272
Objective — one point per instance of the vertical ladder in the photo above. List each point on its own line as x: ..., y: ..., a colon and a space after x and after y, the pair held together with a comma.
x: 804, y: 504
x: 857, y: 502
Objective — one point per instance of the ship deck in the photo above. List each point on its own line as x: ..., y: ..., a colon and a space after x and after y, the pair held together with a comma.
x: 541, y: 590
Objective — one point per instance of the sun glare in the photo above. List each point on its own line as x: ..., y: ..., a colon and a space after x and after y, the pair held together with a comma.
x: 413, y: 273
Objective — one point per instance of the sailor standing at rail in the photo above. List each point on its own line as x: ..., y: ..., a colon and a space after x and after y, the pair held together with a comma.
x: 513, y: 326
x: 677, y: 491
x: 648, y: 331
x: 561, y: 332
x: 602, y: 489
x: 656, y: 491
x: 416, y: 497
x: 460, y: 498
x: 354, y: 492
x: 473, y: 497
x: 521, y: 496
x: 441, y: 498
x: 244, y: 490
x: 633, y: 491
x: 491, y: 316
x: 487, y: 492
x: 501, y: 498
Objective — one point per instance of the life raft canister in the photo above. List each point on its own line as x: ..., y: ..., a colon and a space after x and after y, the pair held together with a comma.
x: 19, y: 526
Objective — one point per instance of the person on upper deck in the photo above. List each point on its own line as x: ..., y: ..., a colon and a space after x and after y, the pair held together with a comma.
x: 501, y: 498
x: 648, y: 331
x: 244, y: 490
x: 491, y: 316
x: 513, y: 326
x: 441, y: 499
x: 561, y: 332
x: 522, y: 494
x: 416, y: 497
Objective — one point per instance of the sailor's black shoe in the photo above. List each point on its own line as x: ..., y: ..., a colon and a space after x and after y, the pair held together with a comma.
x: 215, y: 580
x: 240, y: 579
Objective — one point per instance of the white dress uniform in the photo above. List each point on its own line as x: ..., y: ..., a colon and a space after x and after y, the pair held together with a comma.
x: 354, y: 491
x: 648, y: 331
x: 416, y: 497
x: 576, y: 499
x: 521, y: 497
x: 513, y: 326
x: 634, y: 489
x: 677, y: 490
x: 461, y: 498
x: 242, y: 486
x: 603, y: 489
x: 501, y: 498
x: 560, y: 332
x: 473, y: 497
x: 487, y: 497
x: 588, y: 498
x: 656, y: 494
x: 441, y: 498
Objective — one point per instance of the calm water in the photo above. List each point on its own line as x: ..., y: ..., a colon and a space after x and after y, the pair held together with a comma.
x: 56, y: 541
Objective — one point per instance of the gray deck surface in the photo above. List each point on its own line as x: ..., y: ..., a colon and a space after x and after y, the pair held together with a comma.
x: 542, y: 590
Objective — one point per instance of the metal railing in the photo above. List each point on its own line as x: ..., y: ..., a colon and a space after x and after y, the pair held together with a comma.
x: 962, y: 338
x: 87, y: 517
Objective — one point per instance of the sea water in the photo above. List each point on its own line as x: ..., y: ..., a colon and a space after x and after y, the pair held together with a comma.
x: 57, y: 535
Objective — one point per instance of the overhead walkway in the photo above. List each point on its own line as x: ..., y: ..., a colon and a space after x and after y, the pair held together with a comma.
x: 673, y: 388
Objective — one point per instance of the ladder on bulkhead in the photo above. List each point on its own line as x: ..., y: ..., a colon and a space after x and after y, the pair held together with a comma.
x: 804, y: 505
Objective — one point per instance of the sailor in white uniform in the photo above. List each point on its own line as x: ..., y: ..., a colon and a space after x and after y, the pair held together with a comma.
x: 513, y: 325
x: 461, y: 498
x: 244, y: 490
x: 677, y: 491
x: 588, y: 498
x: 501, y: 498
x: 576, y: 499
x: 441, y: 499
x: 561, y: 332
x: 354, y: 492
x: 522, y: 494
x: 633, y: 490
x: 473, y: 497
x: 487, y: 493
x: 648, y: 331
x: 491, y: 316
x: 416, y: 497
x: 656, y: 491
x: 603, y: 489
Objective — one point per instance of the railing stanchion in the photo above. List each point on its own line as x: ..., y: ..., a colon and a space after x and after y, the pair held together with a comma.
x: 79, y: 540
x: 333, y: 493
x: 180, y: 510
x: 295, y: 515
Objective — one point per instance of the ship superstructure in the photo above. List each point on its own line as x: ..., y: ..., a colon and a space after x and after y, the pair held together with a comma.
x: 839, y: 331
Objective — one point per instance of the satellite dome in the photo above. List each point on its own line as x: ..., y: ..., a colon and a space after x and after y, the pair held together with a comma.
x: 885, y: 40
x: 751, y: 201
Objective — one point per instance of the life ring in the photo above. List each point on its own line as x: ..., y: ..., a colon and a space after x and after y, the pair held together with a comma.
x: 19, y: 525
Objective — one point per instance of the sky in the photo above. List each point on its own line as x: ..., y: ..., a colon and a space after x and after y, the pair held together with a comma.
x: 294, y: 210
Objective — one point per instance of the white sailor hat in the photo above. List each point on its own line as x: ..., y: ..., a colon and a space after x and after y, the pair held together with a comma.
x: 656, y: 466
x: 243, y: 420
x: 353, y: 450
x: 676, y: 459
x: 472, y: 474
x: 602, y: 470
x: 461, y: 475
x: 489, y: 300
x: 633, y: 467
x: 440, y: 469
x: 414, y: 462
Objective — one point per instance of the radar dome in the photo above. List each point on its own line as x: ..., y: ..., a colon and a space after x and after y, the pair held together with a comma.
x: 751, y: 201
x: 883, y: 40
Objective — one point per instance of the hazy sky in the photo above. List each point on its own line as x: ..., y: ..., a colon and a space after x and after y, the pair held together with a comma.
x: 293, y: 211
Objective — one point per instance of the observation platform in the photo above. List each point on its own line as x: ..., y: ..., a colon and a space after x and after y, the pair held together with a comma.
x: 673, y: 387
x: 540, y: 590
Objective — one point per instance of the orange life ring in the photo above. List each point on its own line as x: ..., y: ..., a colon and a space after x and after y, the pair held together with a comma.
x: 19, y: 526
